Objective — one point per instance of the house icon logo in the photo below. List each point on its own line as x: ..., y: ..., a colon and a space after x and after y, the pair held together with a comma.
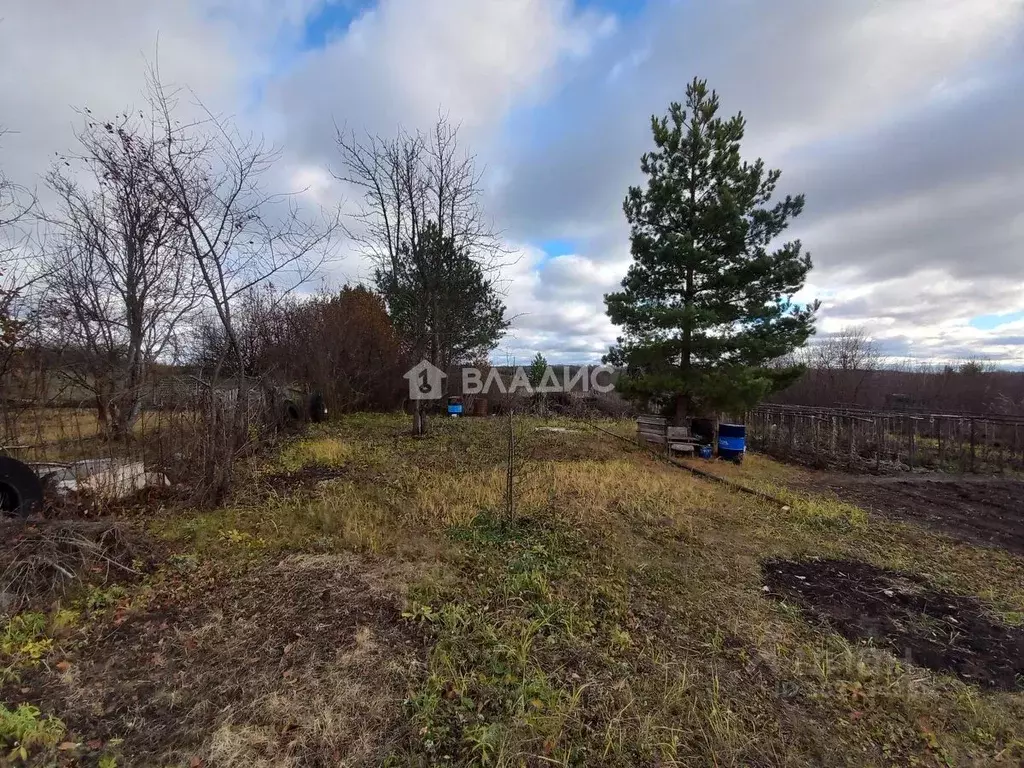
x: 424, y: 381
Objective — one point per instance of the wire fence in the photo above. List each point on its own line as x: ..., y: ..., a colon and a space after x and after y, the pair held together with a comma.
x: 886, y: 441
x: 185, y: 436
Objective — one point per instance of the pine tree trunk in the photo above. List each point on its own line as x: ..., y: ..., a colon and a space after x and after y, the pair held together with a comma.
x: 681, y: 412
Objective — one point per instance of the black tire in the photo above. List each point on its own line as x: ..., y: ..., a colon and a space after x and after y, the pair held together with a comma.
x: 21, y: 490
x: 317, y: 408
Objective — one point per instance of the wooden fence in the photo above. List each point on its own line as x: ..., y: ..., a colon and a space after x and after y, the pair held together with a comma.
x: 885, y: 441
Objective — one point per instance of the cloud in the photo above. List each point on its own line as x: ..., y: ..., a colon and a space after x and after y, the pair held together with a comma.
x: 899, y: 120
x: 61, y: 57
x: 403, y: 61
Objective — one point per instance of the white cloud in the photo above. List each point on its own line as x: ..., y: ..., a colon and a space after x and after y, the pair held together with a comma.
x: 405, y: 60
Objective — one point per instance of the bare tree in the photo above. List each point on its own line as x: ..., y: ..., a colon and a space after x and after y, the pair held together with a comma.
x: 238, y: 236
x: 842, y: 363
x: 422, y: 225
x: 16, y: 203
x: 17, y: 298
x: 119, y: 282
x: 412, y: 180
x: 851, y: 349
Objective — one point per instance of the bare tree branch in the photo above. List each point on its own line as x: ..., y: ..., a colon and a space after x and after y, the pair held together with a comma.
x: 119, y: 283
x: 237, y: 234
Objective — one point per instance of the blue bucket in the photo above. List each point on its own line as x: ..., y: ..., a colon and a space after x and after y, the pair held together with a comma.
x: 732, y: 440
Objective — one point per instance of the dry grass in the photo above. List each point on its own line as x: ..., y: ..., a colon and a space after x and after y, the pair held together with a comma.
x: 319, y: 451
x: 618, y: 619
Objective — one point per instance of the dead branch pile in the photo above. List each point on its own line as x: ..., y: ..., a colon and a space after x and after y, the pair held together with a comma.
x: 38, y: 563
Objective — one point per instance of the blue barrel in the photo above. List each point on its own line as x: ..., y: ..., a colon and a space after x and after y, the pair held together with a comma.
x: 732, y: 440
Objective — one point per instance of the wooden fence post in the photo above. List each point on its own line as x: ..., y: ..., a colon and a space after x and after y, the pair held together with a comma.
x: 973, y: 442
x: 850, y: 439
x: 878, y: 445
x: 913, y: 438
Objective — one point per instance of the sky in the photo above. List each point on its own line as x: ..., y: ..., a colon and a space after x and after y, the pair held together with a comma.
x: 901, y: 121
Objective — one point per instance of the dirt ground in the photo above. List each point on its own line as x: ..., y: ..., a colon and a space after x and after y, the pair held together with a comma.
x: 919, y: 624
x: 307, y: 658
x: 981, y: 510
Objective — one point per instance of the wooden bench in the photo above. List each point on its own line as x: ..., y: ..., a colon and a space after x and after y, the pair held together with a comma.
x: 680, y: 440
x: 655, y: 429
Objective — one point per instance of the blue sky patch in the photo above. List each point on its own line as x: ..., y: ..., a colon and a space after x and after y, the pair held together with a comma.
x: 624, y: 9
x: 331, y: 20
x: 558, y: 247
x: 988, y: 322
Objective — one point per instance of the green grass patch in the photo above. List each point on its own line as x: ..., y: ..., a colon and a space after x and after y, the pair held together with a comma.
x: 24, y: 730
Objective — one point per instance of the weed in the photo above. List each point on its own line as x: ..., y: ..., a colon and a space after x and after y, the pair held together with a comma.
x: 97, y: 599
x: 23, y: 644
x: 242, y: 539
x: 25, y: 636
x: 617, y: 620
x: 25, y: 729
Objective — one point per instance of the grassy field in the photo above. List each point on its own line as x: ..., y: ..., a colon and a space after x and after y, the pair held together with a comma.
x: 367, y: 600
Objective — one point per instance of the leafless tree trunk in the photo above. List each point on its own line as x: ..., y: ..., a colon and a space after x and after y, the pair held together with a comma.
x: 119, y: 283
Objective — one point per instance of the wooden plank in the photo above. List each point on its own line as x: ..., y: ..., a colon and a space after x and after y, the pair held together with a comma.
x: 654, y: 421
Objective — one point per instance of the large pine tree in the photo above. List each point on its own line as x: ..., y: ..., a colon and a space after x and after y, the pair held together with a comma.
x: 706, y: 305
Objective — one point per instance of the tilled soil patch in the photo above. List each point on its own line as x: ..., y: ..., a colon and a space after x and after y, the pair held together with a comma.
x: 988, y: 511
x: 900, y: 611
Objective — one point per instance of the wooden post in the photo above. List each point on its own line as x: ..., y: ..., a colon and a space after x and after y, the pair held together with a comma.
x: 913, y: 438
x: 878, y: 445
x: 973, y: 443
x: 1002, y: 449
x: 938, y: 431
x: 511, y: 470
x: 850, y: 438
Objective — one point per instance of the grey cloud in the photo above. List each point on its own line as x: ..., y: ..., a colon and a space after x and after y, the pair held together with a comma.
x: 909, y: 155
x: 786, y: 65
x: 1005, y: 341
x: 900, y: 120
x: 910, y: 302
